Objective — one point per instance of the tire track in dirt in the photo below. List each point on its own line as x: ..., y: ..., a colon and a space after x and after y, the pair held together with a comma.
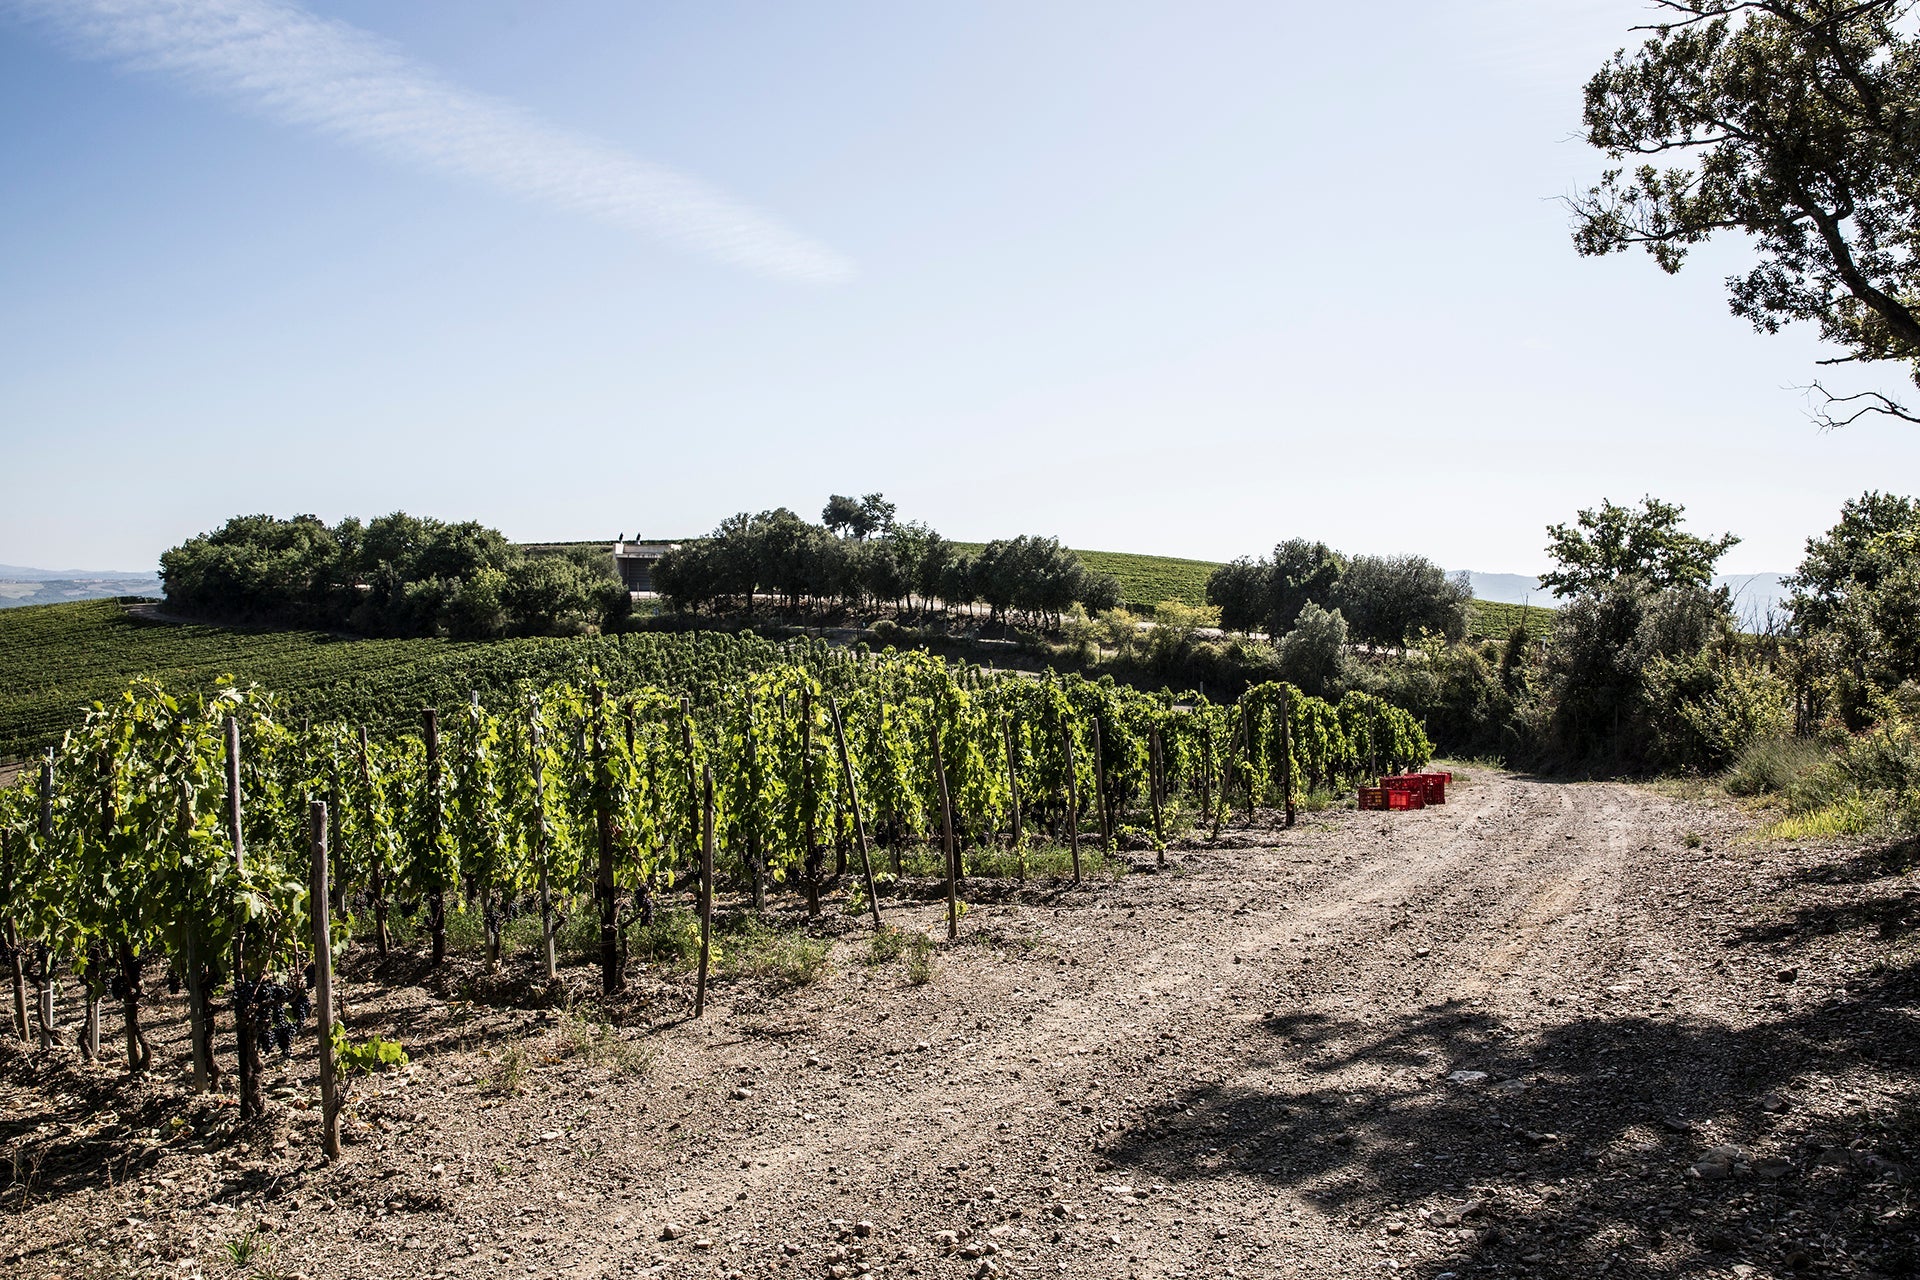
x: 1487, y: 887
x: 1221, y: 1069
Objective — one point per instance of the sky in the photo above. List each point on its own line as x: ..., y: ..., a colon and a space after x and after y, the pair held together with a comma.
x: 1177, y: 278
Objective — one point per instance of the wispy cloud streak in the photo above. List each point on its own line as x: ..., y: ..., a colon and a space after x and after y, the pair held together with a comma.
x: 293, y: 66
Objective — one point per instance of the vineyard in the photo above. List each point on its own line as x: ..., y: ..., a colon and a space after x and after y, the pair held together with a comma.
x: 56, y: 660
x: 1494, y: 620
x: 1145, y: 580
x: 222, y: 844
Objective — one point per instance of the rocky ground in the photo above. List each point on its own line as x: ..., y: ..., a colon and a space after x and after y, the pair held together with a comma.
x: 1549, y: 1029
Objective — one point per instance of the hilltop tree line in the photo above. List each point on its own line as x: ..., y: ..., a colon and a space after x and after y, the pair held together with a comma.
x: 1382, y: 600
x: 859, y: 556
x: 1644, y: 667
x: 395, y: 575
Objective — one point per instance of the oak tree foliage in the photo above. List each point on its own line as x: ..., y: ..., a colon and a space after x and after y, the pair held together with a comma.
x: 1794, y: 123
x: 1610, y: 542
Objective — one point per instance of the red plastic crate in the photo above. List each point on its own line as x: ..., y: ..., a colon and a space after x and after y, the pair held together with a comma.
x: 1404, y: 798
x: 1373, y: 797
x: 1436, y: 792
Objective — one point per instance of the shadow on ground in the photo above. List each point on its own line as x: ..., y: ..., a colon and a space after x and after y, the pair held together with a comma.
x: 1632, y: 1145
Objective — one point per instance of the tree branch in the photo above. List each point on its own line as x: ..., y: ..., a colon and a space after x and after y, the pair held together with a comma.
x: 1876, y: 404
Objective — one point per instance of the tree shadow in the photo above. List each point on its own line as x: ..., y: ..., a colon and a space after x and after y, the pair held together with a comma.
x: 1876, y: 862
x: 1636, y: 1144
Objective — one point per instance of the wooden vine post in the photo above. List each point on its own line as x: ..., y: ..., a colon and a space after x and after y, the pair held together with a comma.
x: 199, y: 1034
x: 809, y: 854
x: 859, y: 820
x: 1246, y: 742
x: 437, y: 895
x: 376, y: 868
x: 946, y: 833
x: 1073, y: 797
x: 139, y: 1057
x: 323, y: 981
x: 756, y: 867
x: 1286, y: 752
x: 1013, y: 799
x: 603, y: 887
x: 1100, y: 791
x: 536, y: 746
x: 253, y: 1102
x: 1156, y: 785
x: 16, y: 969
x: 44, y: 979
x: 693, y: 791
x: 1206, y: 777
x: 706, y: 889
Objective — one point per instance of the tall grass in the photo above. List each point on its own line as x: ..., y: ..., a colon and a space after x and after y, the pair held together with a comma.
x: 1773, y: 765
x: 1855, y: 816
x: 1859, y: 785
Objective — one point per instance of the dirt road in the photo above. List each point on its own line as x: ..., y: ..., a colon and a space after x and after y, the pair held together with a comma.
x: 1550, y: 1028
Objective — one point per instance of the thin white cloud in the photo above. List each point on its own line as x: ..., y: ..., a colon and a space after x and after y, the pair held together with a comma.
x: 293, y: 66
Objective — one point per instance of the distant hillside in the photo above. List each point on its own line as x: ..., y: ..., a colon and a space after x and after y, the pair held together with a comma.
x: 23, y: 586
x: 1754, y: 594
x: 1146, y: 581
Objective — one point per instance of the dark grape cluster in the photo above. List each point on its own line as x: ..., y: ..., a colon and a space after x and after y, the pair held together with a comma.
x: 278, y: 1009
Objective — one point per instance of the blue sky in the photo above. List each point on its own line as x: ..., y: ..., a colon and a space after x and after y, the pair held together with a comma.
x: 1177, y: 278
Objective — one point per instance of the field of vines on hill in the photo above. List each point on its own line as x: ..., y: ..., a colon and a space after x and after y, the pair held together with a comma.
x: 1145, y: 581
x: 57, y: 660
x: 1492, y: 620
x: 185, y: 834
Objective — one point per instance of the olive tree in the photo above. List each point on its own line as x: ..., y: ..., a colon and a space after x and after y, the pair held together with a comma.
x: 1795, y: 123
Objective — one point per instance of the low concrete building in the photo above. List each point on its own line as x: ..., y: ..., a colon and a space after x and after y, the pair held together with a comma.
x: 635, y: 561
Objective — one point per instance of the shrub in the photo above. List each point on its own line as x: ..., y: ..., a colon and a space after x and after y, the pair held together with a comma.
x: 1769, y: 766
x: 1313, y: 655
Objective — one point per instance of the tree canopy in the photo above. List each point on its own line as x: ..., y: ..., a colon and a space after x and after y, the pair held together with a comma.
x: 1613, y: 542
x: 1268, y: 594
x: 1385, y: 600
x: 1795, y: 123
x: 394, y: 575
x: 777, y: 554
x: 1394, y: 600
x: 859, y: 517
x: 1856, y: 599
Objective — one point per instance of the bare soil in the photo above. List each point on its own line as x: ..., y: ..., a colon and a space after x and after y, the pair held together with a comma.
x: 1550, y: 1029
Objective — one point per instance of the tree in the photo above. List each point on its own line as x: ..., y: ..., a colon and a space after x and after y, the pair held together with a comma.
x: 1852, y: 558
x: 860, y: 518
x: 1797, y: 119
x: 1856, y: 598
x: 1313, y: 655
x: 1240, y: 591
x: 1304, y: 573
x: 1269, y: 594
x: 1392, y: 600
x: 1617, y: 542
x: 876, y: 513
x: 842, y: 514
x: 1640, y: 676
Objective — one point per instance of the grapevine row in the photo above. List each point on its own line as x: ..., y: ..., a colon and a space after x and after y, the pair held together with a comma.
x: 173, y: 833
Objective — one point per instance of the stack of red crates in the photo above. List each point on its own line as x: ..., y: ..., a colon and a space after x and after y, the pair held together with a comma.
x: 1407, y: 791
